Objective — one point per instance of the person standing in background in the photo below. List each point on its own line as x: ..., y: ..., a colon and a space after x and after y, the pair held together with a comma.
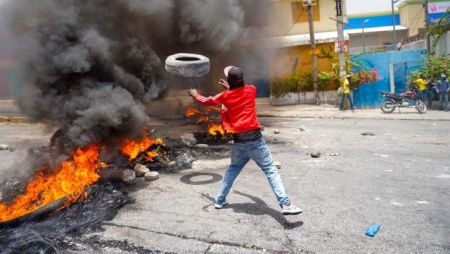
x: 442, y: 89
x: 345, y: 83
x: 421, y: 86
x: 431, y: 92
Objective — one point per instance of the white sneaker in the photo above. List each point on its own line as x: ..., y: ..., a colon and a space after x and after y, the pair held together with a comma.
x: 219, y: 206
x: 290, y: 209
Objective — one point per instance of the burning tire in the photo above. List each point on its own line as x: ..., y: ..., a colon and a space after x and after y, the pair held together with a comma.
x: 187, y: 65
x: 36, y: 214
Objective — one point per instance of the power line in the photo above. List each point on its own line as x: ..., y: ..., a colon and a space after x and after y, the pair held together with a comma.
x: 296, y: 21
x: 420, y: 12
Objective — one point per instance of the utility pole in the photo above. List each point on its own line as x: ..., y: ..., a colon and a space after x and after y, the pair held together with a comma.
x: 313, y: 52
x: 393, y: 23
x: 341, y: 39
x: 363, y: 39
x: 427, y: 26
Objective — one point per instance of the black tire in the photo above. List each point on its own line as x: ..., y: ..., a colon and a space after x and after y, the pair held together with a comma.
x: 421, y: 106
x: 187, y: 65
x: 387, y: 106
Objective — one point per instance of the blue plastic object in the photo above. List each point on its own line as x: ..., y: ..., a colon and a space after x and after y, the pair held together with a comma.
x: 373, y: 229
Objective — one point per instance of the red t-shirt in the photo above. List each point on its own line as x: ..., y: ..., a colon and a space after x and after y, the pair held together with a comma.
x: 240, y: 115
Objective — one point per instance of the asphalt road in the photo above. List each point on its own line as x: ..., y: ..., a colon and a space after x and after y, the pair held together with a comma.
x: 398, y: 178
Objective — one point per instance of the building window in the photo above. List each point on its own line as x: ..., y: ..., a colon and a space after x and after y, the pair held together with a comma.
x: 300, y: 12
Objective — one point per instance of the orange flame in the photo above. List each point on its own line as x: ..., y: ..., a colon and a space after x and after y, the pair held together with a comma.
x: 69, y: 180
x: 214, y: 129
x: 192, y: 112
x: 203, y: 119
x: 132, y: 148
x: 151, y: 155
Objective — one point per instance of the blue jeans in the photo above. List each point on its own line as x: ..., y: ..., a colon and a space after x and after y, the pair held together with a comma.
x: 422, y: 94
x: 443, y: 96
x: 344, y: 97
x: 257, y: 151
x: 430, y: 99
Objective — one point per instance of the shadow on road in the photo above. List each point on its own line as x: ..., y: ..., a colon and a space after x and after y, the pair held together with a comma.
x: 259, y: 207
x: 187, y: 179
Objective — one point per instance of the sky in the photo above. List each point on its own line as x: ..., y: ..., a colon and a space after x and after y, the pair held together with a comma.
x: 368, y: 6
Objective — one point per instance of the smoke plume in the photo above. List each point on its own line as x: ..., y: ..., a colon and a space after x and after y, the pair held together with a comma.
x: 95, y: 64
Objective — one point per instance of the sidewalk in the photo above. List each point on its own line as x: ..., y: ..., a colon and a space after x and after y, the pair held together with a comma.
x: 10, y: 113
x: 264, y: 109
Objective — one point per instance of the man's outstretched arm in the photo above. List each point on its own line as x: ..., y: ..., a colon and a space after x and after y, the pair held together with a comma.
x: 211, y: 100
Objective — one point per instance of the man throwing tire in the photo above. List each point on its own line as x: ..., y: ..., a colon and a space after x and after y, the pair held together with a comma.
x: 240, y: 115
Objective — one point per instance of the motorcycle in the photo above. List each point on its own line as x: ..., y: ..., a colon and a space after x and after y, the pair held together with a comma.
x: 402, y: 100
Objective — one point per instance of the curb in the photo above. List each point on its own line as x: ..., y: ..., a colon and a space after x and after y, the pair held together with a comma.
x: 348, y: 118
x: 14, y: 119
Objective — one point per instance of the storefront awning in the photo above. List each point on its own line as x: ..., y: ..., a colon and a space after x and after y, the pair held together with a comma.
x: 374, y: 29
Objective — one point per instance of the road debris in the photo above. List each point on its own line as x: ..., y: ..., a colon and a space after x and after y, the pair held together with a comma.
x: 249, y: 245
x: 4, y: 147
x: 202, y: 146
x: 126, y: 175
x: 277, y: 164
x: 335, y: 154
x: 140, y: 170
x: 368, y: 134
x: 188, y: 139
x: 151, y: 176
x: 372, y: 230
x: 315, y: 154
x: 276, y: 131
x: 302, y: 128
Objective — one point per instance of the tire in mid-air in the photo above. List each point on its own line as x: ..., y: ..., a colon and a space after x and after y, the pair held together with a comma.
x: 421, y: 106
x: 387, y: 106
x: 187, y: 65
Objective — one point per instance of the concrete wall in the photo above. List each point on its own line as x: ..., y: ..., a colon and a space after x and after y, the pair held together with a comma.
x: 415, y: 45
x: 442, y: 48
x: 298, y: 60
x: 376, y: 38
x: 367, y: 95
x: 326, y: 97
x: 280, y: 17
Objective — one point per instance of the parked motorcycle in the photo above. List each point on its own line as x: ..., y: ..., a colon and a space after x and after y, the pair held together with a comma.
x: 402, y: 100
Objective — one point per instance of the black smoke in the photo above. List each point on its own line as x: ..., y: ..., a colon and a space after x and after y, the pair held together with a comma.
x: 95, y: 64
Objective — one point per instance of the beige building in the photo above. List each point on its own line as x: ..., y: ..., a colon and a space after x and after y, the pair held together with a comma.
x: 412, y: 15
x: 292, y: 15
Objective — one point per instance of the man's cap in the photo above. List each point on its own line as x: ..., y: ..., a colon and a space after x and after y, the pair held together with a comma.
x: 235, y: 76
x: 227, y: 69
